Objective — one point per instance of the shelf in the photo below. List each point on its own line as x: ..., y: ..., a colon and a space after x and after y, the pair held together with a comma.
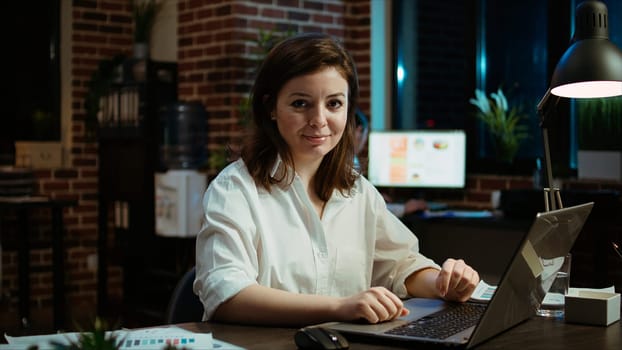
x: 121, y: 132
x: 128, y: 151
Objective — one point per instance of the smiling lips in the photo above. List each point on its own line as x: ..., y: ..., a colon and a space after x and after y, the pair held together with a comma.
x: 316, y: 140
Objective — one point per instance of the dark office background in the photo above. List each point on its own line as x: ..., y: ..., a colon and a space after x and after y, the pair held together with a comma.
x: 449, y: 48
x: 31, y: 94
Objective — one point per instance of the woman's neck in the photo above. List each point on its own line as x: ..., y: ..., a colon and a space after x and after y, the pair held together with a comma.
x: 307, y: 176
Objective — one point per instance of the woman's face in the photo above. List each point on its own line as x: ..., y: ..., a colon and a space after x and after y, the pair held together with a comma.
x: 311, y: 113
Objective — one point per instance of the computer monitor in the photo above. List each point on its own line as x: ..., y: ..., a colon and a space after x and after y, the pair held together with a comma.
x: 417, y: 159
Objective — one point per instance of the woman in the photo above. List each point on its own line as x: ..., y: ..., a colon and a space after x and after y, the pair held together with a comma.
x: 293, y: 235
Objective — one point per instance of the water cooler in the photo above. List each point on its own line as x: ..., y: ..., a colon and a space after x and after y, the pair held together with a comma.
x: 179, y: 190
x: 178, y: 195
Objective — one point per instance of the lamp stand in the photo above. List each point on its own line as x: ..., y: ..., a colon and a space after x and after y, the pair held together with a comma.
x: 552, y: 197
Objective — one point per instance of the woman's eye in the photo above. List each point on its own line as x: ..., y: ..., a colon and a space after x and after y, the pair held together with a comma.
x: 299, y: 103
x: 334, y: 104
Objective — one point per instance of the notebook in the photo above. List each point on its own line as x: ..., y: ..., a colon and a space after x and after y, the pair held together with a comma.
x: 519, y: 293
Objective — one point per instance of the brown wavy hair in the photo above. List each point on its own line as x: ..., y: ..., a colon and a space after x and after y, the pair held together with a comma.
x: 295, y: 56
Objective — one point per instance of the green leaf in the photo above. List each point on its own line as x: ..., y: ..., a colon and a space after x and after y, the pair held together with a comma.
x: 502, y: 122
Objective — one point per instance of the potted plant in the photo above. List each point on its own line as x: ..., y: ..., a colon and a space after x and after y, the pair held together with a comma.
x: 503, y: 123
x: 144, y: 13
x: 600, y: 129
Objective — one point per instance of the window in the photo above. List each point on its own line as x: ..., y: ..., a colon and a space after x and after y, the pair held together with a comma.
x: 513, y: 55
x: 432, y: 66
x: 31, y: 99
x: 443, y: 50
x: 598, y: 122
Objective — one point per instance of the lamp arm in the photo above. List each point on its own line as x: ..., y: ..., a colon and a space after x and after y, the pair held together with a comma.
x: 547, y: 107
x: 546, y: 111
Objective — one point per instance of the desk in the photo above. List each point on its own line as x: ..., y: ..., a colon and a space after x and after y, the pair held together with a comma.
x: 536, y: 333
x: 21, y: 205
x: 487, y: 244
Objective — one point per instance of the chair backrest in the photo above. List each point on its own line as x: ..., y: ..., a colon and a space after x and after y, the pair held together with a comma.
x: 184, y: 305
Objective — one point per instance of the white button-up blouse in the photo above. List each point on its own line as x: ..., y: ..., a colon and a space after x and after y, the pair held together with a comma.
x: 276, y: 239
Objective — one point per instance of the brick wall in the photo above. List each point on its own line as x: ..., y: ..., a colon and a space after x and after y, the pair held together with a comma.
x: 100, y: 30
x: 218, y: 50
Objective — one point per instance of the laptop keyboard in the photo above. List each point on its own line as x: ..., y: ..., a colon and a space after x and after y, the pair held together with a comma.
x: 444, y: 323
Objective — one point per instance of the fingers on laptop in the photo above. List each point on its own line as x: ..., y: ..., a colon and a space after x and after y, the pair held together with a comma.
x: 377, y: 304
x: 456, y: 280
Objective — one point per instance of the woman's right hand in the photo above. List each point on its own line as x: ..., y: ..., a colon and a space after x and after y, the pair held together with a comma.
x: 374, y: 305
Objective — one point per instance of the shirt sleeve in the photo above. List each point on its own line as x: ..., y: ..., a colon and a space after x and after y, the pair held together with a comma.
x: 226, y: 259
x: 397, y: 253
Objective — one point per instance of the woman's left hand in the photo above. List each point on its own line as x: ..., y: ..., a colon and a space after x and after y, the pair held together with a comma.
x: 456, y: 281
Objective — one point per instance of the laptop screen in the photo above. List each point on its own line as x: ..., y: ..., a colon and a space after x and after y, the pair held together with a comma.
x: 417, y: 158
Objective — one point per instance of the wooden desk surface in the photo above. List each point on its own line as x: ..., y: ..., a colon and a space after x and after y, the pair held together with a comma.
x: 536, y: 333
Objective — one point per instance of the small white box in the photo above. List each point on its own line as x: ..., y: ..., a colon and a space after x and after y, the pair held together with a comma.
x: 178, y: 202
x: 38, y: 155
x: 593, y: 308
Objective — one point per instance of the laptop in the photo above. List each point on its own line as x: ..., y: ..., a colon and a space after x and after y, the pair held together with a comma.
x: 520, y: 291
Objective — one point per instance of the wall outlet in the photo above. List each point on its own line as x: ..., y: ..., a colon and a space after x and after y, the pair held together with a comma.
x: 91, y: 262
x: 37, y: 155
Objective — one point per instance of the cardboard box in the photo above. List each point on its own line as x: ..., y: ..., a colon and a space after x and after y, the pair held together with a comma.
x: 593, y: 308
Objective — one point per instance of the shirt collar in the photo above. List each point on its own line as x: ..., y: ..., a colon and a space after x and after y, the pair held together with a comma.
x: 280, y: 166
x: 279, y: 169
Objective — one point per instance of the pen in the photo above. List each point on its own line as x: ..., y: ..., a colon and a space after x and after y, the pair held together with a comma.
x: 616, y: 248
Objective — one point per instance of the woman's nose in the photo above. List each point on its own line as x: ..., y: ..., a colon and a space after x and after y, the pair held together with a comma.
x: 317, y: 117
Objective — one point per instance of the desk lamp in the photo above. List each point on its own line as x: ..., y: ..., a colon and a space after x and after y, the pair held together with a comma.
x: 591, y: 67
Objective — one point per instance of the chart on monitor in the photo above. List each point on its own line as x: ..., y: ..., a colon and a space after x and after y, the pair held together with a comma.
x: 417, y: 159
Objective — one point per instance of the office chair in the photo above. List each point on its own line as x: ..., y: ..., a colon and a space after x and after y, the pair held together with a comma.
x: 184, y: 305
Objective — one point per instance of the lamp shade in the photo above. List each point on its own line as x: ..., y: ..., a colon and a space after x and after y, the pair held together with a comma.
x: 592, y: 65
